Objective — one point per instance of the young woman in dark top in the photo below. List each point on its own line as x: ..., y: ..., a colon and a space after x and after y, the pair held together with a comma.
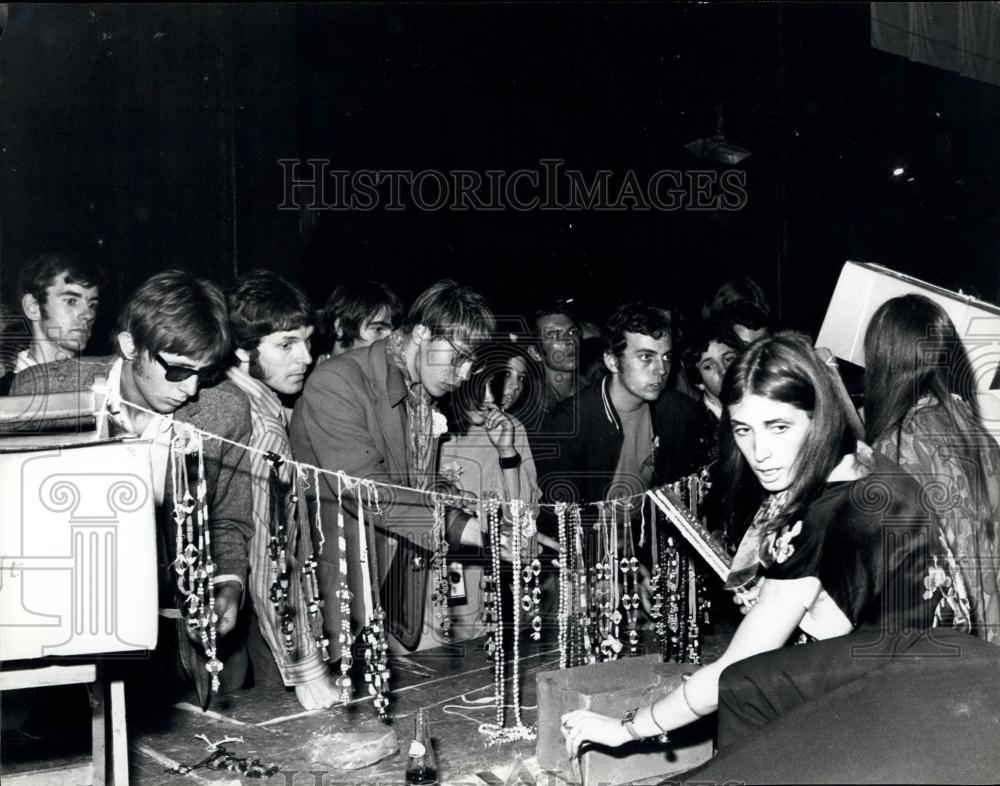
x: 841, y: 541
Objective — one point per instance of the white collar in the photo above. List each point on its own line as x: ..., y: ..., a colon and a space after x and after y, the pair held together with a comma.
x: 711, y: 406
x: 157, y: 424
x: 24, y: 360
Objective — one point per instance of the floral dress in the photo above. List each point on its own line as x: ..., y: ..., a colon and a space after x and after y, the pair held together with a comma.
x: 964, y: 492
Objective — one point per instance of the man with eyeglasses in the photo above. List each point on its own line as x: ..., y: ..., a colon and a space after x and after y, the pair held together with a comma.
x: 372, y: 414
x: 173, y: 336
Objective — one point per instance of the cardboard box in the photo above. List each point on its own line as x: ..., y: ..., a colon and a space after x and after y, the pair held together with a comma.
x: 612, y: 688
x: 863, y: 287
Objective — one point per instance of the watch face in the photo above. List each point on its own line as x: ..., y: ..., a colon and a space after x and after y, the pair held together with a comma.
x: 629, y: 716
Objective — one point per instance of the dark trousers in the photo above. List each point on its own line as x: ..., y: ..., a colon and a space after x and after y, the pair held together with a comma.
x: 861, y: 708
x: 175, y: 670
x: 759, y: 690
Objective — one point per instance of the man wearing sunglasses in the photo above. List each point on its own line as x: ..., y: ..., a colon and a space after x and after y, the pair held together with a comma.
x: 173, y: 335
x: 372, y: 413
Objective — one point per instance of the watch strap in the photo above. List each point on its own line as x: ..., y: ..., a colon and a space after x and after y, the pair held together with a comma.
x: 627, y: 722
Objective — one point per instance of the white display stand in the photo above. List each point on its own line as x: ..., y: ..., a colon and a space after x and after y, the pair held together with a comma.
x: 78, y: 577
x: 77, y: 550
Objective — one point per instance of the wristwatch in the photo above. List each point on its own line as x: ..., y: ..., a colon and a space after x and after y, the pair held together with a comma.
x: 627, y: 719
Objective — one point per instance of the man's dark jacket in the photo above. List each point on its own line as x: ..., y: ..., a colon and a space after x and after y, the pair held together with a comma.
x: 583, y: 439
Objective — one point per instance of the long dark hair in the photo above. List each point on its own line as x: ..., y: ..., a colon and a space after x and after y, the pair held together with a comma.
x: 489, y: 372
x: 912, y: 350
x: 784, y: 368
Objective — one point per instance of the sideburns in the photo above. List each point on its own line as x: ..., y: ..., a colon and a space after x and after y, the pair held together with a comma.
x: 256, y: 370
x: 139, y: 365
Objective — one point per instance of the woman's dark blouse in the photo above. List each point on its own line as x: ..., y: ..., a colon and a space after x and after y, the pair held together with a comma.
x: 870, y: 542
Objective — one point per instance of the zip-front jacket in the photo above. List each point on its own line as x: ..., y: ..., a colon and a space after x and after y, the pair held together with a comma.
x: 583, y: 438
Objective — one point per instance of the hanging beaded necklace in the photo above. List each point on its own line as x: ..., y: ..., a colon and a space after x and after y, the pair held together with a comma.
x: 672, y: 599
x: 310, y: 579
x: 629, y: 566
x: 692, y: 650
x: 607, y: 576
x: 489, y: 510
x: 499, y: 733
x: 531, y: 601
x: 493, y: 522
x: 439, y: 574
x: 344, y: 595
x: 193, y: 562
x: 658, y: 579
x: 278, y: 554
x: 565, y: 585
x: 587, y: 653
x: 374, y: 633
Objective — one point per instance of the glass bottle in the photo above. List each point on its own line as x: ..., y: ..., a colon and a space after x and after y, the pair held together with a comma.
x: 421, y: 767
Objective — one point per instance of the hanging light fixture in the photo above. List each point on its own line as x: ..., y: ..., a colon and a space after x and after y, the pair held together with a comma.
x: 717, y: 147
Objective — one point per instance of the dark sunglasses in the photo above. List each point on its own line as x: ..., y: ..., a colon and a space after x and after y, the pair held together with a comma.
x: 174, y: 373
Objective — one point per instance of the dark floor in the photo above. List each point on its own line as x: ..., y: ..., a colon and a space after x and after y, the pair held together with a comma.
x: 454, y: 685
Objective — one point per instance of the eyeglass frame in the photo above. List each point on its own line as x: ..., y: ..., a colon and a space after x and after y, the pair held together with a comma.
x: 175, y: 373
x: 459, y: 357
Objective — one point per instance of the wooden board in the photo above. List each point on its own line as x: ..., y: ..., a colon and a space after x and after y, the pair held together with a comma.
x: 453, y: 685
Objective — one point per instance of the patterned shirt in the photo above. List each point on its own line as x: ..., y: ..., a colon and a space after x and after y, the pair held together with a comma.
x: 269, y: 433
x: 960, y: 470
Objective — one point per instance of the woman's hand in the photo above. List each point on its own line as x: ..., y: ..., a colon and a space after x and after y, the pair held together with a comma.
x: 499, y: 429
x: 583, y: 726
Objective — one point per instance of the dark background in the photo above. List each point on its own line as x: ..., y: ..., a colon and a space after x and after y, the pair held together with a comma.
x: 149, y: 136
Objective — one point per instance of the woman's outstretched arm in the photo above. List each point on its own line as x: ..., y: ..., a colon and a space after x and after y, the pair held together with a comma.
x: 767, y: 626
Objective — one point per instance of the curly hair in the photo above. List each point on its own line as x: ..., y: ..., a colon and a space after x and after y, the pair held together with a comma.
x: 40, y: 271
x: 637, y: 317
x: 260, y: 303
